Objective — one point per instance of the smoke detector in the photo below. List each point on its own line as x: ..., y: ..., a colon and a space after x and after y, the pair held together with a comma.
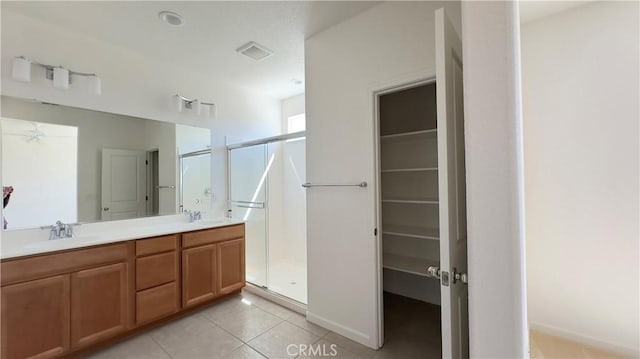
x: 254, y: 51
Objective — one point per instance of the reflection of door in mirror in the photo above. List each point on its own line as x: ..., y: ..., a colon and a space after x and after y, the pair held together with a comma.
x: 32, y: 151
x: 123, y: 184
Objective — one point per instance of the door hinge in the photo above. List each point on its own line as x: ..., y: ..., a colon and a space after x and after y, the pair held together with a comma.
x: 146, y: 162
x: 146, y: 198
x: 375, y: 231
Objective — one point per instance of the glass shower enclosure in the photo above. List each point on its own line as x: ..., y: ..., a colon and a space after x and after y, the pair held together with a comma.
x: 195, y: 181
x: 265, y: 190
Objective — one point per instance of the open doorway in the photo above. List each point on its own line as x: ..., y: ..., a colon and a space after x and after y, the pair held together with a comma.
x: 153, y: 182
x: 422, y: 208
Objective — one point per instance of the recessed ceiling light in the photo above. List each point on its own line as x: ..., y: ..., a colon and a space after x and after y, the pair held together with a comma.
x: 171, y: 18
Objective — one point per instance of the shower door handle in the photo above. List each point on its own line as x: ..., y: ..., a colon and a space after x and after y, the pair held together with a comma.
x: 245, y: 204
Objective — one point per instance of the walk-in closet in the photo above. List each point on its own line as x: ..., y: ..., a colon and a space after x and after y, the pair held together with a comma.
x: 408, y: 147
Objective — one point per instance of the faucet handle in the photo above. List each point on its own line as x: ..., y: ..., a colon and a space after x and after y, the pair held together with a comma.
x: 68, y: 230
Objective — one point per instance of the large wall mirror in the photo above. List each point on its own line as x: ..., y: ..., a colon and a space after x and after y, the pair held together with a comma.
x: 77, y: 165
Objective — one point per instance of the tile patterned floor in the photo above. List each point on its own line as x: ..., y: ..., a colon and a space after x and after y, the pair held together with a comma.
x: 244, y: 326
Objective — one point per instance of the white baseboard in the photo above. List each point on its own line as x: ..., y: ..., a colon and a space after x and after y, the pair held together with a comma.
x: 342, y: 330
x: 583, y: 339
x: 276, y: 298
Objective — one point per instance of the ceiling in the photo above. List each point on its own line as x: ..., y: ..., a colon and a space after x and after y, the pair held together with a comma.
x: 211, y: 33
x: 533, y: 10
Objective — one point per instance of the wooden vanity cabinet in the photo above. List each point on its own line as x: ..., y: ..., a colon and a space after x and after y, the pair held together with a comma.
x: 157, y: 278
x: 56, y: 303
x: 231, y: 269
x: 199, y: 275
x: 100, y: 303
x: 66, y: 302
x: 35, y: 318
x: 212, y: 263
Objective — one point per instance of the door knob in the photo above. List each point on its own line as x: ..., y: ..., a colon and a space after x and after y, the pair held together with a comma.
x: 106, y: 208
x: 434, y: 271
x: 460, y: 277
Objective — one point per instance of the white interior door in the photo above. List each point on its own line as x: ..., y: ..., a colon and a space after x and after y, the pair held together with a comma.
x: 452, y: 188
x: 123, y: 184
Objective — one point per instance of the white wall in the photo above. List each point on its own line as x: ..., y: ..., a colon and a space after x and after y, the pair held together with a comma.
x: 134, y: 85
x: 387, y: 45
x: 580, y: 97
x: 290, y: 107
x: 27, y: 161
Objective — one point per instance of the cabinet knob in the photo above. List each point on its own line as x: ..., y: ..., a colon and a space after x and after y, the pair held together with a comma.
x: 106, y: 208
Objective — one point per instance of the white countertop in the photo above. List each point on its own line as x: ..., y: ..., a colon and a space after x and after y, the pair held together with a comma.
x: 26, y: 242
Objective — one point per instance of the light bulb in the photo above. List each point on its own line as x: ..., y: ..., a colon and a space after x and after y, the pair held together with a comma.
x: 21, y: 69
x: 94, y: 84
x: 60, y: 78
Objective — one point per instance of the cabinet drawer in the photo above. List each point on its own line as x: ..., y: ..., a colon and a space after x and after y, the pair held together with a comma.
x: 24, y: 269
x: 156, y: 302
x: 156, y: 269
x: 156, y: 245
x: 214, y: 235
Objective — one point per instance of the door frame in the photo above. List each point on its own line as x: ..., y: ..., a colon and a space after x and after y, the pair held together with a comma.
x: 399, y: 84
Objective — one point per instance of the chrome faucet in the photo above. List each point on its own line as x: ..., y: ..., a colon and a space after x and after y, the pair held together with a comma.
x: 193, y: 215
x: 61, y: 230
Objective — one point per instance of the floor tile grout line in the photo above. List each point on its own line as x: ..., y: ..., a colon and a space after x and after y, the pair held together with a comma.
x: 240, y: 339
x: 160, y: 345
x: 296, y: 325
x: 257, y: 350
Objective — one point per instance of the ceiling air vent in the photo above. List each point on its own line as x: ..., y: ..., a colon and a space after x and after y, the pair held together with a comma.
x: 254, y: 51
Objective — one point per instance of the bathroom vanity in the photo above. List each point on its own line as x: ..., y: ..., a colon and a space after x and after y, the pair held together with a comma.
x: 66, y: 296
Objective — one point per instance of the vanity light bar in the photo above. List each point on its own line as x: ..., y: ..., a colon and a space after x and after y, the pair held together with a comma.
x: 60, y: 76
x: 182, y: 102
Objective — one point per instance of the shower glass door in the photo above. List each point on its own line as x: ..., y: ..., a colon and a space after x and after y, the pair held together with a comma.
x: 195, y: 182
x: 248, y: 170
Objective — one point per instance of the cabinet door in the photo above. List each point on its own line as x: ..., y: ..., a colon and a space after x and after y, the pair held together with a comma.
x: 199, y: 278
x: 35, y: 318
x: 231, y: 265
x: 100, y: 303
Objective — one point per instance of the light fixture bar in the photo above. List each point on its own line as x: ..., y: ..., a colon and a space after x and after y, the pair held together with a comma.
x: 182, y: 102
x: 191, y: 100
x: 63, y: 78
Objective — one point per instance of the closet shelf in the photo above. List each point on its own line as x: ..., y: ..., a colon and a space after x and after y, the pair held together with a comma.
x: 411, y: 231
x: 411, y: 133
x: 411, y: 200
x: 413, y: 265
x: 416, y: 169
